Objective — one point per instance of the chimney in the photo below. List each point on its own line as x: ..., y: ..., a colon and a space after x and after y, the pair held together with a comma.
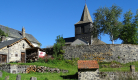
x: 23, y: 32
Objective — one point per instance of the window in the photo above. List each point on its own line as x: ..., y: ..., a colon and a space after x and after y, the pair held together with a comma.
x: 23, y: 45
x: 82, y: 29
x: 16, y: 55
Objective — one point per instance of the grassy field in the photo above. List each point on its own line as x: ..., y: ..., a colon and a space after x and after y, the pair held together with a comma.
x: 71, y: 75
x: 69, y: 65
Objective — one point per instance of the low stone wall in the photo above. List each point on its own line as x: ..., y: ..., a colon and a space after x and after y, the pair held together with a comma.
x: 15, y: 69
x: 122, y: 53
x: 88, y: 75
x: 118, y: 75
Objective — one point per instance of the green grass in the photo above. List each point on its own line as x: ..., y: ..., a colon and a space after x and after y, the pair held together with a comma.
x: 69, y: 65
x: 50, y: 76
x: 125, y: 67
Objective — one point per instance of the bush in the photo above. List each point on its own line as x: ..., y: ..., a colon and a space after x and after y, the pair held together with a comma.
x: 73, y: 61
x: 41, y: 60
x: 53, y: 61
x: 46, y: 79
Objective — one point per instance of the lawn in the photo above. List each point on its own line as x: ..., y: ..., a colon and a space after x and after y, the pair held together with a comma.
x: 71, y: 75
x: 69, y: 65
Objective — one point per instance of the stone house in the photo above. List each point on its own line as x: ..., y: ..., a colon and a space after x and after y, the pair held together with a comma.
x: 88, y: 70
x: 83, y: 30
x: 14, y: 34
x: 14, y: 50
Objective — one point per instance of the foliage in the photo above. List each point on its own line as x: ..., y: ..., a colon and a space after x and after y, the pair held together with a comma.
x: 41, y: 60
x: 106, y: 21
x: 73, y: 61
x: 2, y: 33
x: 129, y: 33
x: 118, y: 57
x: 57, y: 48
x: 39, y: 44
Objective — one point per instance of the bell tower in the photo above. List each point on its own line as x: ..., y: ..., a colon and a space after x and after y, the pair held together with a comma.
x: 84, y: 26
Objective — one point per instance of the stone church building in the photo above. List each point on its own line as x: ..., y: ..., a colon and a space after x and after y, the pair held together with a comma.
x: 83, y: 31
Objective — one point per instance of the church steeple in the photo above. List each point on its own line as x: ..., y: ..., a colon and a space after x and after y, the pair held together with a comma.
x: 84, y: 26
x: 85, y: 18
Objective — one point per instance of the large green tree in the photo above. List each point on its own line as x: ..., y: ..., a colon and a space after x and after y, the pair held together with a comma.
x: 129, y: 32
x: 106, y: 21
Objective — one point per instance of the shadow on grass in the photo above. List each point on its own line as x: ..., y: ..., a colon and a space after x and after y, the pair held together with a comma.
x: 72, y: 77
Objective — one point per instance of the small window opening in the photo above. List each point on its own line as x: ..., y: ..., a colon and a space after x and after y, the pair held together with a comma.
x: 23, y: 45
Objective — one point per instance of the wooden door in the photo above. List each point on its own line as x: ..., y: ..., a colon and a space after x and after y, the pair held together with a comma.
x: 0, y: 58
x: 22, y: 57
x: 4, y: 58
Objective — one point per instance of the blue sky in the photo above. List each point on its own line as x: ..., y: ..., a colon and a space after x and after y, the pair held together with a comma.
x: 46, y: 19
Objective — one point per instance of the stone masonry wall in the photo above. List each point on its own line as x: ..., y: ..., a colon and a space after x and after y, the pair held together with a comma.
x: 13, y: 68
x: 118, y: 75
x: 89, y: 75
x: 14, y: 52
x: 122, y: 53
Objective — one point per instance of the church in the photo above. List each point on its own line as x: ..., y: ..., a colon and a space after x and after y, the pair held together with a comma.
x: 83, y: 35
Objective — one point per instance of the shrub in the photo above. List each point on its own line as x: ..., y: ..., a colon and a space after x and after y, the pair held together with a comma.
x: 41, y: 60
x: 73, y: 61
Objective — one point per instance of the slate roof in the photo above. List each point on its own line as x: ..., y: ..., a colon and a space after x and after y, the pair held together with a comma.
x: 6, y: 43
x: 86, y: 17
x: 88, y: 64
x: 18, y: 34
x: 79, y: 42
x: 70, y: 39
x: 97, y: 41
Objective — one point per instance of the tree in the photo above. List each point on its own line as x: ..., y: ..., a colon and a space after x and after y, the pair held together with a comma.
x: 106, y: 21
x: 129, y: 33
x: 57, y: 48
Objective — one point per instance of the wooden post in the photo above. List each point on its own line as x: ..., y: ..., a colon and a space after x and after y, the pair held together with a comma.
x: 38, y: 53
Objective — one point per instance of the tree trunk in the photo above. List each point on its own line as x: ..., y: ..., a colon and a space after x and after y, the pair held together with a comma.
x: 112, y: 40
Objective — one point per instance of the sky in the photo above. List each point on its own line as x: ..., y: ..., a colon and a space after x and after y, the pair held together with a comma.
x: 46, y: 19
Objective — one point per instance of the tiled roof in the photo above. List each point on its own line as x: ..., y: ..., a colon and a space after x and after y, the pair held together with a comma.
x: 87, y: 64
x: 17, y: 34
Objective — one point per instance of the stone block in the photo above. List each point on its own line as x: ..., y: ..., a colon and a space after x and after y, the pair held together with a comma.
x: 0, y: 74
x: 7, y: 78
x: 132, y: 68
x: 18, y: 77
x: 33, y: 78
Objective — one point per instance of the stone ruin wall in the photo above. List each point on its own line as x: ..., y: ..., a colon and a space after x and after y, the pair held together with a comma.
x: 122, y: 53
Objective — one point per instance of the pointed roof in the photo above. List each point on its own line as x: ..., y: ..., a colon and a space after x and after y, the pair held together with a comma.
x: 86, y: 17
x: 11, y: 42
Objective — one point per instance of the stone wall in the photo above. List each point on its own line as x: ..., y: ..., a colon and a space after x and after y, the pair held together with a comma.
x: 118, y: 75
x: 122, y: 53
x: 88, y: 75
x: 13, y: 68
x: 14, y: 52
